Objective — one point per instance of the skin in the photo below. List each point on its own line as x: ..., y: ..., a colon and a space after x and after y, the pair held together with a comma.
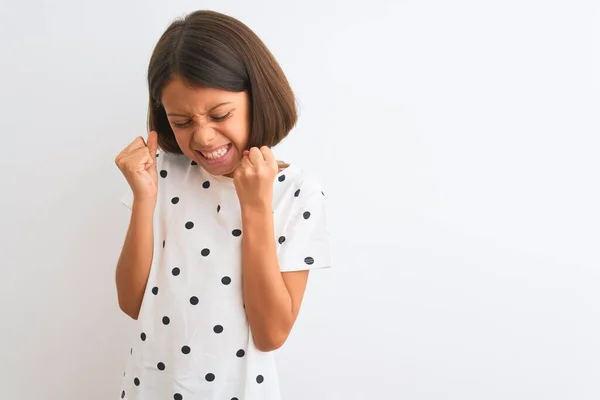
x: 204, y: 119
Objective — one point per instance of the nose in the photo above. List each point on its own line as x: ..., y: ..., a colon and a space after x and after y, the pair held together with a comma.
x: 203, y: 134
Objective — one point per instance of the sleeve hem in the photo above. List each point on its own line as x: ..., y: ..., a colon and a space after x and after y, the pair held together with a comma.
x: 295, y: 268
x: 127, y: 200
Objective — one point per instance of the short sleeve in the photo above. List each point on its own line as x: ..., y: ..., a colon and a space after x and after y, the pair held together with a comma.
x: 127, y: 199
x: 305, y: 242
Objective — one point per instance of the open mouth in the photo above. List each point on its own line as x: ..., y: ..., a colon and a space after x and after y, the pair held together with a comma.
x: 216, y: 155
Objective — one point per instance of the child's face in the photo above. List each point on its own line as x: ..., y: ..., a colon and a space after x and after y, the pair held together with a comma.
x: 211, y: 126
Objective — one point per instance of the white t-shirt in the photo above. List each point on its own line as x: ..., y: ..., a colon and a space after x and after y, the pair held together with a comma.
x: 194, y: 341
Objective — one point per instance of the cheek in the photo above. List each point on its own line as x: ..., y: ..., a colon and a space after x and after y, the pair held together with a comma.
x: 183, y: 141
x: 239, y: 134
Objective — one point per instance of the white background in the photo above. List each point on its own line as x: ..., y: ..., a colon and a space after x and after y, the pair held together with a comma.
x: 458, y: 142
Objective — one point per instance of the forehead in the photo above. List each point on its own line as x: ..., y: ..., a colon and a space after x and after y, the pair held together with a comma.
x: 178, y: 96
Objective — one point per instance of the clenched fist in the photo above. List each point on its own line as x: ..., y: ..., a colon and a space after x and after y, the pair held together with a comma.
x: 137, y: 162
x: 253, y: 179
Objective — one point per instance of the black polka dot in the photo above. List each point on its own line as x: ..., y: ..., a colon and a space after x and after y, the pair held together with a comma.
x: 176, y: 271
x: 166, y: 320
x: 226, y: 280
x: 309, y: 260
x: 157, y: 154
x: 206, y: 184
x: 123, y: 394
x: 189, y: 225
x: 236, y: 232
x: 234, y: 398
x: 281, y: 178
x: 297, y: 193
x: 163, y: 173
x: 131, y: 350
x: 323, y: 193
x: 218, y: 208
x: 177, y: 396
x: 136, y: 382
x: 218, y: 329
x: 154, y: 290
x: 143, y: 336
x: 194, y: 162
x: 205, y: 252
x: 160, y: 366
x: 281, y: 239
x: 186, y: 349
x: 163, y: 244
x: 306, y: 215
x: 240, y: 353
x: 175, y: 200
x: 260, y: 379
x: 210, y: 377
x: 194, y: 300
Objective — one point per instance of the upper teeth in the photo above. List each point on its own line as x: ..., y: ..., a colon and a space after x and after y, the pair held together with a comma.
x: 217, y: 153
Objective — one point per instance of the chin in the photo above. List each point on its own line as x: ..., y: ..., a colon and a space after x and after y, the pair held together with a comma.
x: 223, y: 172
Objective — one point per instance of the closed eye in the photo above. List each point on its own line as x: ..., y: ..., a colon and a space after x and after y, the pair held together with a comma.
x: 181, y: 125
x: 220, y: 118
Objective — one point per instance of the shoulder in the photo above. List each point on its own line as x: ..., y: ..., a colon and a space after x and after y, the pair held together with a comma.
x: 170, y: 161
x: 307, y: 186
x: 295, y: 173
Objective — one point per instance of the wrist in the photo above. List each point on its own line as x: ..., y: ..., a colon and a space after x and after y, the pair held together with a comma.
x: 258, y: 210
x: 143, y: 205
x: 257, y: 224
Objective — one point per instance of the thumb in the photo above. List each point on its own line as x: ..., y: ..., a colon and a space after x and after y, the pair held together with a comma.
x: 153, y: 143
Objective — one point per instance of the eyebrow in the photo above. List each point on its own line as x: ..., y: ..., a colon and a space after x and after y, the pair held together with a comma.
x: 209, y: 110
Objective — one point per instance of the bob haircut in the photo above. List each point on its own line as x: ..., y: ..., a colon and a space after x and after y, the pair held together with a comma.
x: 210, y: 49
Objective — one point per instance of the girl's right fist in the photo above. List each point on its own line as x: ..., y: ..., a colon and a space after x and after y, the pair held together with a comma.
x: 137, y: 162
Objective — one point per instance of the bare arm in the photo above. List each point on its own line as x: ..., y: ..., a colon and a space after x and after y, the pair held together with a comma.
x: 272, y: 298
x: 135, y: 260
x: 137, y: 162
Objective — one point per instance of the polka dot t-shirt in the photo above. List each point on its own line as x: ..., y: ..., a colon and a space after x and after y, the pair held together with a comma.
x: 193, y: 340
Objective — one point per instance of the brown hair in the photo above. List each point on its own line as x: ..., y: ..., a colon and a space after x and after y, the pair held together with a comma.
x: 210, y: 49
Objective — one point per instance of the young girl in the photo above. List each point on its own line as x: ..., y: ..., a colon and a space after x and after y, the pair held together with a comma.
x: 222, y: 235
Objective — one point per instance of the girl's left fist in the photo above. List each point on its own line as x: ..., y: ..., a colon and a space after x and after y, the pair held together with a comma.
x: 253, y: 178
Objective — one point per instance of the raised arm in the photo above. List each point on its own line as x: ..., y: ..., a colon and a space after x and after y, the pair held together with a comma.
x: 137, y: 162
